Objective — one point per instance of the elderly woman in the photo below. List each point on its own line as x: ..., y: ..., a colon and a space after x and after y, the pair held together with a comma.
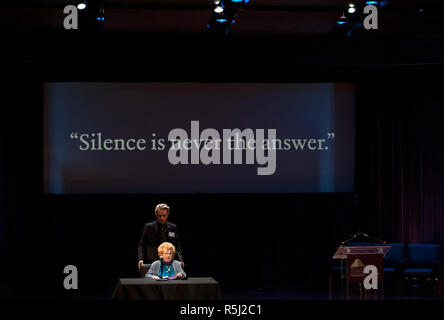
x: 170, y: 267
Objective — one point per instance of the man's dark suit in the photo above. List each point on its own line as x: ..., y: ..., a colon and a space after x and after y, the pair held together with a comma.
x: 151, y: 240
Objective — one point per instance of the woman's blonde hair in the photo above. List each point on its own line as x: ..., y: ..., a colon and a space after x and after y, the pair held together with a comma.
x: 166, y: 246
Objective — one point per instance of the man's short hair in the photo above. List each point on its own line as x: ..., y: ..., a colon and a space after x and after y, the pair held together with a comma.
x: 161, y: 206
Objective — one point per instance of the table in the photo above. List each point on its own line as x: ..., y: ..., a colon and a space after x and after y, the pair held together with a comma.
x: 150, y: 289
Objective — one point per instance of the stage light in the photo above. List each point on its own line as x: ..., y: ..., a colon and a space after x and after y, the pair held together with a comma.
x: 351, y: 8
x: 377, y: 3
x: 223, y: 15
x: 82, y: 5
x: 237, y: 1
x: 100, y: 15
x: 234, y: 3
x: 218, y: 9
x: 342, y: 20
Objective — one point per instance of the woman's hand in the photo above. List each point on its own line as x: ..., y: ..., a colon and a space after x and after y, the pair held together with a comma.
x: 155, y: 277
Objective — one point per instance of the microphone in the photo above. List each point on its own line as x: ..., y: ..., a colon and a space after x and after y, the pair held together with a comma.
x: 161, y: 267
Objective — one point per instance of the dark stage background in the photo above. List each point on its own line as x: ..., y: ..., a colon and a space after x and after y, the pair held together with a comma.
x: 287, y: 238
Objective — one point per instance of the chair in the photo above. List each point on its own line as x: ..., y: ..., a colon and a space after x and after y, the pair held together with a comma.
x: 421, y: 267
x: 336, y: 269
x: 439, y: 265
x: 144, y: 269
x: 394, y: 264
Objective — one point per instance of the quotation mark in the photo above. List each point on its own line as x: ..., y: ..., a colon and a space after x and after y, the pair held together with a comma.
x: 330, y: 135
x: 74, y: 135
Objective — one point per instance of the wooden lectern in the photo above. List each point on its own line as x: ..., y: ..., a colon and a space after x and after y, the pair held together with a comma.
x: 357, y: 258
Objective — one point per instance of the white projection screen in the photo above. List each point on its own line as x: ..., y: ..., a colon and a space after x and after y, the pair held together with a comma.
x: 114, y: 137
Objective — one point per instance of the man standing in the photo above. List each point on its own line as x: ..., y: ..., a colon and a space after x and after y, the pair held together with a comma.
x: 157, y: 232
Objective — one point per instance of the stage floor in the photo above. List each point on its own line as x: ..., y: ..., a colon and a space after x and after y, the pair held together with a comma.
x: 299, y: 294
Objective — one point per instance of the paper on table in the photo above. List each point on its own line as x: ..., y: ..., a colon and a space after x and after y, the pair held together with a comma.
x: 167, y: 278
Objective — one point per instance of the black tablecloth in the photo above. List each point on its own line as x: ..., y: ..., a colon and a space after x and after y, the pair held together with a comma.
x: 149, y: 289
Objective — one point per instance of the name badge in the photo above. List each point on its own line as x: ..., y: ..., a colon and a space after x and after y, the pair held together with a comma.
x: 171, y: 234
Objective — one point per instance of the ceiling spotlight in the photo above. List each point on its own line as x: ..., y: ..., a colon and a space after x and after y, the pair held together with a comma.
x: 218, y: 9
x: 82, y: 5
x: 351, y: 10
